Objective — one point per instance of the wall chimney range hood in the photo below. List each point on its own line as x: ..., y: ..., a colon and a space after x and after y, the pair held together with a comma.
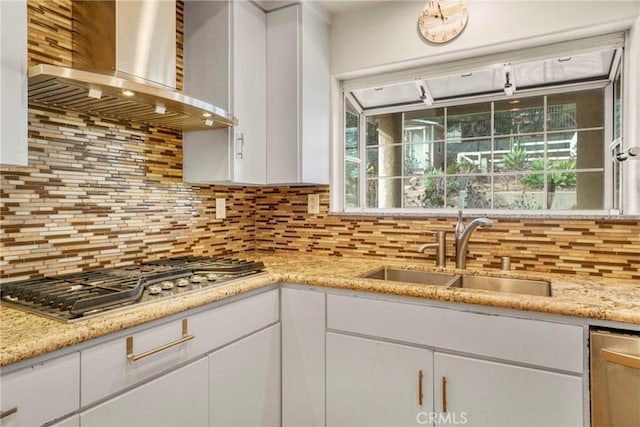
x: 124, y: 67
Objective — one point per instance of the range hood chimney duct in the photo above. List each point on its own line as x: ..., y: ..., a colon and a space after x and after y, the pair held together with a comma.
x: 124, y: 66
x: 132, y: 39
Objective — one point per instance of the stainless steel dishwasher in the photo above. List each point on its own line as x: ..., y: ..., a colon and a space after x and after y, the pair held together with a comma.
x: 615, y: 378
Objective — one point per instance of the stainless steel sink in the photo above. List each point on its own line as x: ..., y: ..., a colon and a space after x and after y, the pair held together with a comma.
x: 504, y: 284
x: 413, y: 276
x: 465, y: 281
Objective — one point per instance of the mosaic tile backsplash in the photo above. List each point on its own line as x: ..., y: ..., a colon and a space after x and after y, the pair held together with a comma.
x: 99, y: 193
x: 608, y: 248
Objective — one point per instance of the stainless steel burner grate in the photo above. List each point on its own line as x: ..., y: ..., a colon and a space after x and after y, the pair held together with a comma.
x: 79, y: 295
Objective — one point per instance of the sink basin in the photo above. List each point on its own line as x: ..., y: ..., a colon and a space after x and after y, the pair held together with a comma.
x: 504, y: 284
x: 465, y: 281
x: 413, y: 276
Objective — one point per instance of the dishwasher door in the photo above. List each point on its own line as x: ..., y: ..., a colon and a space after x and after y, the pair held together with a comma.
x: 615, y: 379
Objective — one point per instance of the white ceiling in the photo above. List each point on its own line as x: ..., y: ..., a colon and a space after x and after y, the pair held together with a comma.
x: 334, y: 7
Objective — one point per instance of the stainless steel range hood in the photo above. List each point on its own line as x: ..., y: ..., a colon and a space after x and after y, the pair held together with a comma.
x: 124, y: 66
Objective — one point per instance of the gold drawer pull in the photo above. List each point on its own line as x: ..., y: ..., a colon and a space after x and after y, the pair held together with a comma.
x: 420, y: 377
x: 185, y: 337
x: 444, y: 394
x: 8, y: 412
x: 627, y: 360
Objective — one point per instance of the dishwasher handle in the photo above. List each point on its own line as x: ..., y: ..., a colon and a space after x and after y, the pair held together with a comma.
x: 623, y: 359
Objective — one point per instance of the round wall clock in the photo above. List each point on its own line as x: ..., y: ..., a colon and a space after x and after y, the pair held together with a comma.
x: 443, y: 20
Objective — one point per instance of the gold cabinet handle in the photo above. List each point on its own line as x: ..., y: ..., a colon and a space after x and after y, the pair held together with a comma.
x: 420, y: 378
x: 444, y: 394
x: 185, y: 337
x: 8, y: 412
x: 627, y: 360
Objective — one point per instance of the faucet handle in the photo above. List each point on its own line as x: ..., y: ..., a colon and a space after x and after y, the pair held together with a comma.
x: 459, y: 228
x: 440, y: 245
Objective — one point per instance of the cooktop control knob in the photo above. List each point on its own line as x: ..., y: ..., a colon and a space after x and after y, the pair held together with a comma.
x: 196, y: 278
x: 167, y: 284
x: 182, y: 282
x: 212, y: 277
x: 154, y: 290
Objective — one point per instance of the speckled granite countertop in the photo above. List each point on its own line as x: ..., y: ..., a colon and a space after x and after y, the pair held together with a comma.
x: 24, y: 335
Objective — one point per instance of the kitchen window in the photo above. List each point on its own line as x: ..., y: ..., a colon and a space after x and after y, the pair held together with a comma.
x: 526, y: 136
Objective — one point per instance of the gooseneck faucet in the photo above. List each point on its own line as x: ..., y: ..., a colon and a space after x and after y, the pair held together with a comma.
x: 463, y: 233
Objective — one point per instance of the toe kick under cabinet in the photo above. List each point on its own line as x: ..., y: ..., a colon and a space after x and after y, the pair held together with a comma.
x: 180, y: 371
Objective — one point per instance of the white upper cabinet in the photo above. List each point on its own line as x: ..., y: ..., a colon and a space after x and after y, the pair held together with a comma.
x: 271, y: 71
x: 298, y: 95
x: 225, y: 63
x: 13, y: 83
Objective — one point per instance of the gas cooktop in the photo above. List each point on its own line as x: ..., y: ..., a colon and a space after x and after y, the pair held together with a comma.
x: 80, y: 295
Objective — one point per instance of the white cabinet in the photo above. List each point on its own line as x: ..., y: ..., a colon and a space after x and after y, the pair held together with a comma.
x: 534, y: 342
x: 225, y: 63
x: 238, y: 346
x: 375, y: 383
x: 13, y: 83
x: 497, y: 394
x: 303, y: 317
x: 271, y: 71
x: 73, y: 421
x: 176, y: 399
x: 106, y: 369
x: 244, y: 381
x: 298, y: 95
x: 40, y: 393
x: 486, y: 369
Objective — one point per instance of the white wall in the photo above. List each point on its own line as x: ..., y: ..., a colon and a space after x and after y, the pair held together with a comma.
x: 386, y: 34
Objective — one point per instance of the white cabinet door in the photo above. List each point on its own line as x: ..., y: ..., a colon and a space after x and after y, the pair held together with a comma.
x: 106, y: 369
x: 244, y: 381
x: 207, y: 154
x: 375, y: 383
x: 73, y: 421
x: 494, y: 394
x: 178, y: 398
x: 40, y: 393
x: 298, y: 95
x: 249, y: 93
x: 225, y: 64
x: 13, y: 83
x: 303, y: 357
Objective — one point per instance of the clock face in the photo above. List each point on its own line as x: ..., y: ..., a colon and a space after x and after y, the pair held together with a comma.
x: 443, y: 20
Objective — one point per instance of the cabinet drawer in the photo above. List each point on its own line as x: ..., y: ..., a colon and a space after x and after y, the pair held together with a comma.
x: 218, y: 327
x: 42, y: 392
x: 106, y: 369
x: 535, y: 342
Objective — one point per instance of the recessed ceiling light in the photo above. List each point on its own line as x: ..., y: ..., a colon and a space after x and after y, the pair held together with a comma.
x: 127, y: 93
x: 515, y: 101
x: 206, y: 114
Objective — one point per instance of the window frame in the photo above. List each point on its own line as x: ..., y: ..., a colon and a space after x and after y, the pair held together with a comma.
x: 339, y: 203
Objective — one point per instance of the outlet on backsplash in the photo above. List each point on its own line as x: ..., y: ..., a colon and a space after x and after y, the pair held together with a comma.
x: 221, y: 208
x: 313, y: 204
